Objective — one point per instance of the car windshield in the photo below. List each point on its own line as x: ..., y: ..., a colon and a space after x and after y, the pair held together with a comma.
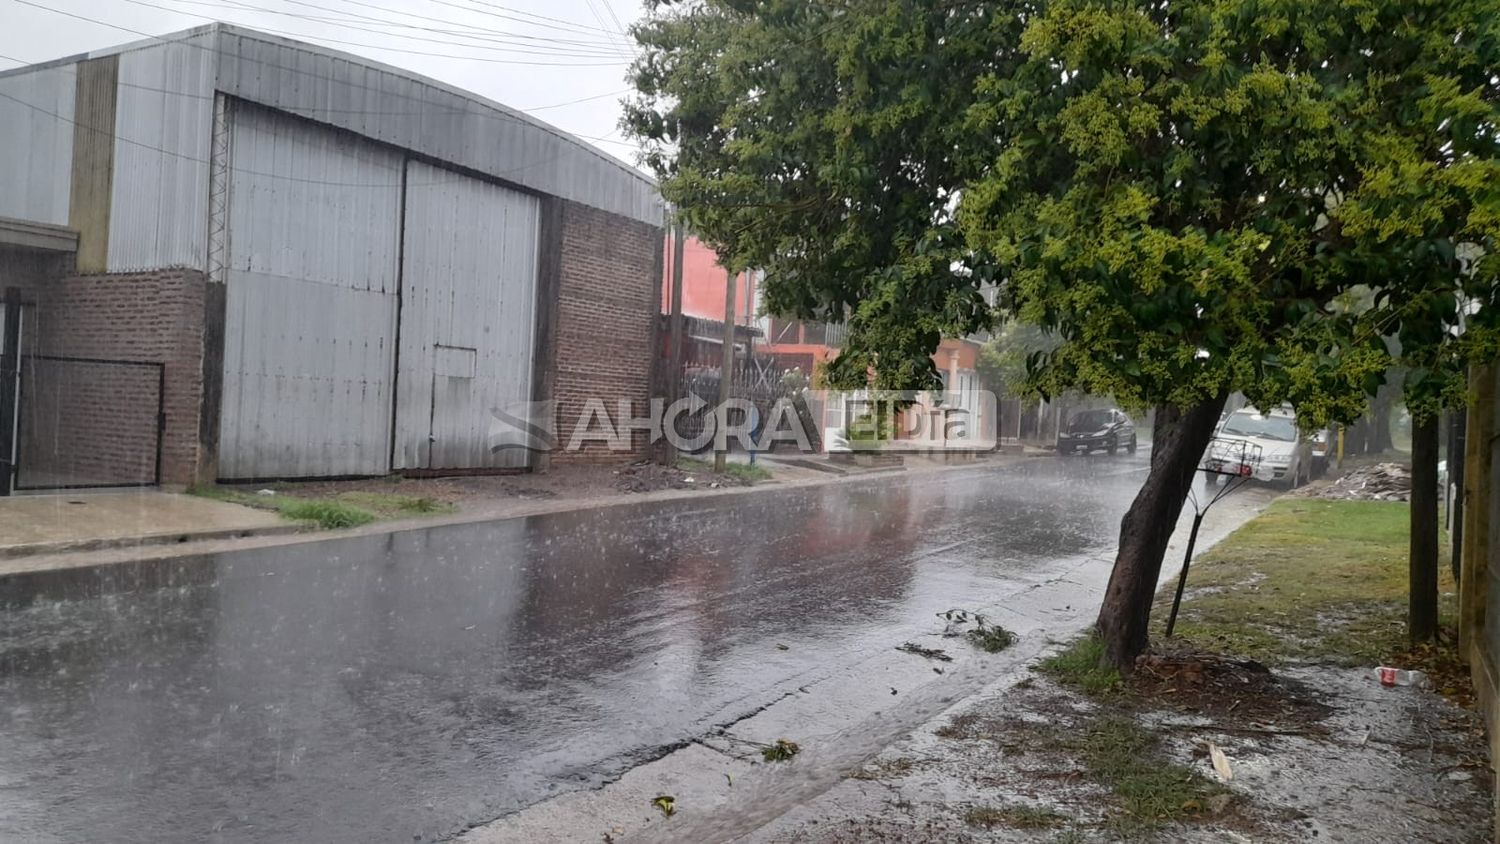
x: 1267, y: 427
x: 1090, y: 420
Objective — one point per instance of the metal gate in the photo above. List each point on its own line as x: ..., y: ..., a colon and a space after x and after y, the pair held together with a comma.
x: 89, y: 423
x: 310, y: 314
x: 75, y: 422
x: 468, y: 309
x: 10, y: 386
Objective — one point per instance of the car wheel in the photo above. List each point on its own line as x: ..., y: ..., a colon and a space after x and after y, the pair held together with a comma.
x: 1113, y: 446
x: 1130, y: 449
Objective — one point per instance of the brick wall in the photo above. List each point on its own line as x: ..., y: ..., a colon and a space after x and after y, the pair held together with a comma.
x: 95, y: 423
x: 608, y: 298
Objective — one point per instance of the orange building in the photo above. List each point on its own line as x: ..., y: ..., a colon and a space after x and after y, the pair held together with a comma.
x: 794, y: 342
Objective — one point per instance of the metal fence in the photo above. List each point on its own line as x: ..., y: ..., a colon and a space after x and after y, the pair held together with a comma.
x: 89, y: 422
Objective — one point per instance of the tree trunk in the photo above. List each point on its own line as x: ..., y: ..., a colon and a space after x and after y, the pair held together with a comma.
x: 1422, y: 612
x: 1178, y: 441
x: 1380, y: 428
x: 1356, y: 435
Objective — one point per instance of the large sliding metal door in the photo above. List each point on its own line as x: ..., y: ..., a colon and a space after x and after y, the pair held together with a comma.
x: 313, y: 255
x: 468, y: 300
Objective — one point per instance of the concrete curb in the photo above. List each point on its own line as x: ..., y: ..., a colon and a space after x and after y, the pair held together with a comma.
x: 32, y: 549
x: 71, y: 554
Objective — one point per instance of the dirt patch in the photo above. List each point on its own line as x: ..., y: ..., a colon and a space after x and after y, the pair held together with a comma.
x: 471, y: 491
x: 1219, y: 686
x: 651, y: 477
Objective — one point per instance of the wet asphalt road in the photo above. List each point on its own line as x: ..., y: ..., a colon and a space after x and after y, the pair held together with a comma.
x: 416, y: 683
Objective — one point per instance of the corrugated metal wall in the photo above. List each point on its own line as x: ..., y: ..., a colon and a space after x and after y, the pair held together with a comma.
x: 163, y: 130
x: 468, y: 305
x: 36, y: 143
x: 429, y: 118
x: 311, y: 311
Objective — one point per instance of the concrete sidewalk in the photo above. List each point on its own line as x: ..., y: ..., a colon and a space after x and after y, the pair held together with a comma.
x: 79, y: 521
x: 48, y: 532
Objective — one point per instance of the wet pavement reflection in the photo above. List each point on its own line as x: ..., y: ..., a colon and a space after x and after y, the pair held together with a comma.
x: 405, y: 686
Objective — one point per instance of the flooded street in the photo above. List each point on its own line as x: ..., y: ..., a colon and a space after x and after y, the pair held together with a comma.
x: 410, y: 685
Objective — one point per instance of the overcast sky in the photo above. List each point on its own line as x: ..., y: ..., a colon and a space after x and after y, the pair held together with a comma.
x: 533, y: 55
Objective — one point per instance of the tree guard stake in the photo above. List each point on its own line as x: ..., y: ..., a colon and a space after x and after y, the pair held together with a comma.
x: 1237, y: 470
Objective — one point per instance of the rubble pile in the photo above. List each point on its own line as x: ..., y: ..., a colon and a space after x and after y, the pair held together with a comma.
x: 1380, y: 482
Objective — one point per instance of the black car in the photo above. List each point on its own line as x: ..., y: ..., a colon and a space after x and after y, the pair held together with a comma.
x: 1090, y: 429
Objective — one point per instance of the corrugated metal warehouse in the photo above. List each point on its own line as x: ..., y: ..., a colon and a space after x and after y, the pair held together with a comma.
x: 240, y: 256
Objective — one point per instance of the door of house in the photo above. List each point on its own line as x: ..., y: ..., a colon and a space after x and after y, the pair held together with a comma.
x: 467, y: 320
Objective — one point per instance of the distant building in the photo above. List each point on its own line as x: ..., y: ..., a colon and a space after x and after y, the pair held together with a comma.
x: 801, y: 343
x: 309, y: 264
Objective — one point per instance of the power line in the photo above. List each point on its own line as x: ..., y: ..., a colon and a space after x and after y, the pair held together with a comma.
x: 313, y: 111
x: 512, y: 12
x: 594, y: 9
x: 610, y: 9
x: 362, y: 111
x: 299, y: 35
x: 489, y: 113
x: 546, y: 23
x: 593, y: 48
x: 281, y: 176
x: 579, y: 100
x: 76, y: 16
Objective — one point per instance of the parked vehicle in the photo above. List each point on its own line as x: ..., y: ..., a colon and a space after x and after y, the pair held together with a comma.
x: 1266, y: 446
x: 1087, y: 430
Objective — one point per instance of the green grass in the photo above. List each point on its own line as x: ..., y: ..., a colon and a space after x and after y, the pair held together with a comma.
x: 782, y: 751
x: 1307, y: 580
x: 347, y: 509
x: 743, y: 471
x: 326, y: 514
x: 1016, y: 817
x: 390, y: 504
x: 1081, y: 666
x: 1124, y: 756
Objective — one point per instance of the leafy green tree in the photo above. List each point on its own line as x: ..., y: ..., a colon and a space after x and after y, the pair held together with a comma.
x: 1002, y: 361
x: 1177, y: 191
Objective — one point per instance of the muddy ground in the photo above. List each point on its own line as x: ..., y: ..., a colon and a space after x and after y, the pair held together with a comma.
x: 1313, y: 753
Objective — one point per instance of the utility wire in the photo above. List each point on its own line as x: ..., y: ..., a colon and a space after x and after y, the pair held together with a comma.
x: 544, y: 22
x: 326, y: 39
x: 509, y: 13
x: 615, y: 34
x: 313, y: 111
x: 594, y: 48
x: 458, y: 177
x: 489, y: 112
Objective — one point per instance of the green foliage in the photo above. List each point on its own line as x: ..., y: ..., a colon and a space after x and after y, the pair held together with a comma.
x: 782, y: 751
x: 1182, y: 194
x: 1081, y: 666
x: 990, y: 638
x: 350, y: 509
x: 1002, y: 361
x: 327, y: 514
